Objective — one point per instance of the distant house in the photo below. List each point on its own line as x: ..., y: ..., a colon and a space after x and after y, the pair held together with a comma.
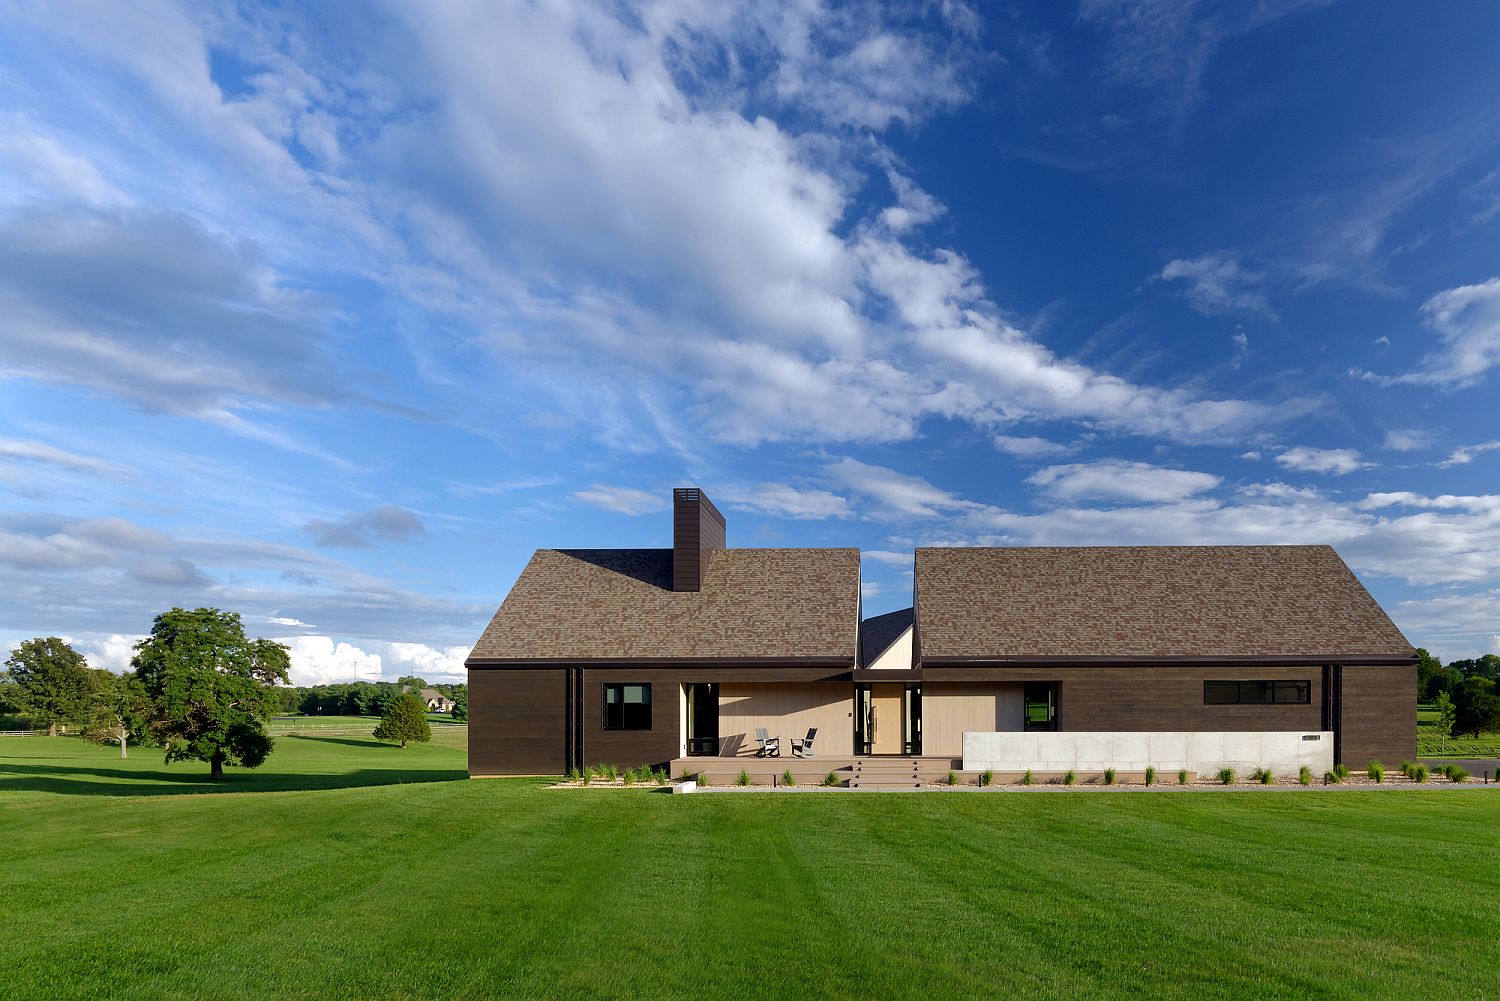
x: 1015, y: 657
x: 436, y: 701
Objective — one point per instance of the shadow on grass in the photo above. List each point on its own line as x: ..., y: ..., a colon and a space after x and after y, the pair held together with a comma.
x: 90, y: 781
x: 350, y: 741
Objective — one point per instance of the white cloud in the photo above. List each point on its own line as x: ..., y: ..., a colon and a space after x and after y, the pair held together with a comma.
x: 1408, y: 440
x: 1113, y: 479
x: 44, y: 165
x: 896, y: 493
x: 1321, y: 460
x: 426, y: 662
x: 112, y: 652
x: 26, y: 450
x: 1467, y: 323
x: 789, y: 502
x: 366, y: 529
x: 869, y: 589
x: 1028, y: 447
x: 622, y: 500
x: 1464, y: 455
x: 318, y: 660
x: 885, y: 556
x: 1218, y: 283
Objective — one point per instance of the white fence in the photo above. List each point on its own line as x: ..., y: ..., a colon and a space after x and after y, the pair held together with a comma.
x: 1200, y: 751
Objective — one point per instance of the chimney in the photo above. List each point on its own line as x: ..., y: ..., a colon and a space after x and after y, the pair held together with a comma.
x: 697, y: 528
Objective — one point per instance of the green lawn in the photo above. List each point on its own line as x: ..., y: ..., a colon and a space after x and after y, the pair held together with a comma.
x: 388, y: 882
x: 1429, y: 745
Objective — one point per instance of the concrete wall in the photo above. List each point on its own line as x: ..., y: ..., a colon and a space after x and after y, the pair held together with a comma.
x: 1281, y: 751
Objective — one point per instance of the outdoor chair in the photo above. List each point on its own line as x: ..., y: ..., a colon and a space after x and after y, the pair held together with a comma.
x: 768, y: 745
x: 803, y: 748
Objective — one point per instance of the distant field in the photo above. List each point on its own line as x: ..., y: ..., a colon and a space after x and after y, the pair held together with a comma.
x: 396, y: 878
x: 311, y: 723
x: 1429, y: 745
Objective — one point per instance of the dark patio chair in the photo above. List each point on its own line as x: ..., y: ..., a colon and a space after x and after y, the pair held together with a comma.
x: 803, y: 748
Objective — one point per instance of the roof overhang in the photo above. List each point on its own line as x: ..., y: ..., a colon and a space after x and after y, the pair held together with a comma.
x: 835, y: 662
x: 1299, y: 660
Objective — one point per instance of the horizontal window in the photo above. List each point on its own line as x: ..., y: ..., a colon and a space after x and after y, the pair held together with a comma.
x: 1243, y: 693
x: 627, y: 707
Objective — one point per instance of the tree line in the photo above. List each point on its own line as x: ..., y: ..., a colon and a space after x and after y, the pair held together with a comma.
x: 197, y: 687
x: 1466, y: 692
x: 366, y: 698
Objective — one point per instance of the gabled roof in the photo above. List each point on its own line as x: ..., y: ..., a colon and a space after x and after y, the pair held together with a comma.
x: 1147, y: 601
x: 615, y: 604
x: 877, y: 633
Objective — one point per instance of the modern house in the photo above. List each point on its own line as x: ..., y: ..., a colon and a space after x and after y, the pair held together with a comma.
x: 1009, y: 658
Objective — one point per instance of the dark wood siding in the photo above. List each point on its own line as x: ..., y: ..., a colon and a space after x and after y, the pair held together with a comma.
x: 697, y: 528
x: 517, y: 722
x: 1132, y: 698
x: 628, y: 748
x: 1379, y: 715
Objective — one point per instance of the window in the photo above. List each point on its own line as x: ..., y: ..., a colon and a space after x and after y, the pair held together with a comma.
x: 1039, y: 706
x: 627, y: 707
x: 1243, y: 693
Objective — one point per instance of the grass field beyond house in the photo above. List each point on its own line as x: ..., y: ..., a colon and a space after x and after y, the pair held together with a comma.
x: 345, y: 868
x: 1430, y: 745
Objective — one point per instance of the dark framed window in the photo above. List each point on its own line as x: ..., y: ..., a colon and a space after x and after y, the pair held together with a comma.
x: 627, y: 707
x: 1039, y: 706
x: 1249, y: 693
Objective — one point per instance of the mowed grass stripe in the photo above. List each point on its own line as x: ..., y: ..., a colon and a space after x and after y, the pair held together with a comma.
x: 506, y: 888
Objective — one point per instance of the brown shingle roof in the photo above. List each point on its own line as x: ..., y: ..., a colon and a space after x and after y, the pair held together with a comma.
x: 605, y: 604
x: 1147, y: 601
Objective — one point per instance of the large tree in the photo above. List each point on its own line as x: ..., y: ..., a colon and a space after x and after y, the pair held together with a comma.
x: 1476, y: 707
x: 1427, y: 668
x: 405, y: 719
x: 211, y: 689
x: 51, y: 682
x: 120, y: 711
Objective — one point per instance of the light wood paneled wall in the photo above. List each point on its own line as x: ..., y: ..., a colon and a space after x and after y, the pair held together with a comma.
x: 788, y: 710
x: 978, y: 706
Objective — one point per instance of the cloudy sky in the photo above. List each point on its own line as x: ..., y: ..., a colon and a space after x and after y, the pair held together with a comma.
x: 332, y: 316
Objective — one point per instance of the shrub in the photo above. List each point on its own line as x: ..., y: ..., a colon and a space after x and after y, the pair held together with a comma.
x: 610, y: 772
x: 952, y: 779
x: 830, y: 780
x: 1341, y: 770
x: 1109, y: 776
x: 1330, y: 778
x: 628, y: 778
x: 1407, y: 767
x: 575, y: 776
x: 1182, y: 777
x: 1455, y: 773
x: 1304, y: 775
x: 703, y: 779
x: 1150, y: 775
x: 744, y: 778
x: 1026, y: 779
x: 587, y: 776
x: 686, y: 776
x: 1376, y: 771
x: 659, y: 776
x: 987, y: 777
x: 1069, y: 778
x: 1419, y: 773
x: 1264, y: 776
x: 1226, y: 776
x: 787, y: 778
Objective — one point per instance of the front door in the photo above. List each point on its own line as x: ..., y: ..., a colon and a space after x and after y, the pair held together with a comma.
x: 703, y: 719
x: 885, y: 717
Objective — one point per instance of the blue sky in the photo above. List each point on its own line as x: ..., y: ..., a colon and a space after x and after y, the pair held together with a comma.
x: 332, y: 315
